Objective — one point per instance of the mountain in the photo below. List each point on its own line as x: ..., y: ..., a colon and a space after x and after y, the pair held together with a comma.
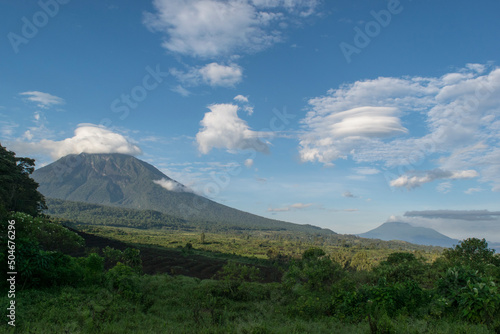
x: 409, y: 233
x: 124, y: 181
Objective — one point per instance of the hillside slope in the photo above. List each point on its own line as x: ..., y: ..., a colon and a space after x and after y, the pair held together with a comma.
x: 409, y: 233
x: 124, y: 181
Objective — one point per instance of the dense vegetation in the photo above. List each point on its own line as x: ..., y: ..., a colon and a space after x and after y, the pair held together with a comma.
x: 18, y: 192
x: 455, y: 293
x: 327, y: 285
x: 94, y: 214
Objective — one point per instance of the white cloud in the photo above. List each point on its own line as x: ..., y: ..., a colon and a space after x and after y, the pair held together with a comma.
x: 361, y: 122
x: 44, y: 100
x: 222, y: 128
x: 470, y: 191
x: 444, y: 187
x: 367, y: 121
x: 212, y: 74
x: 211, y: 28
x: 333, y: 134
x: 292, y: 207
x: 170, y: 185
x: 28, y: 135
x: 479, y: 68
x: 410, y: 182
x: 7, y: 129
x: 221, y: 75
x: 181, y: 90
x: 485, y: 157
x: 241, y: 98
x: 245, y: 105
x: 88, y: 138
x: 248, y: 163
x: 366, y: 170
x: 362, y: 172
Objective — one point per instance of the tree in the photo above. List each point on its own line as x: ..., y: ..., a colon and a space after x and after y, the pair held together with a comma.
x: 360, y: 261
x: 472, y: 252
x: 402, y: 266
x: 18, y: 192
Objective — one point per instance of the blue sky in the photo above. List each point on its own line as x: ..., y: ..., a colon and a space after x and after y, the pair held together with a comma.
x: 340, y: 114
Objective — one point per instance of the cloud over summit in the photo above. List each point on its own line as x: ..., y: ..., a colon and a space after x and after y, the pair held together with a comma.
x: 88, y: 138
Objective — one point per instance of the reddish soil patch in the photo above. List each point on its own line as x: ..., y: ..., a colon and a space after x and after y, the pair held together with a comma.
x: 158, y: 260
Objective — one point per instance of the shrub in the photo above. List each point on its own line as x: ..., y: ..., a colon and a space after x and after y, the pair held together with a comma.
x: 124, y: 280
x: 49, y: 235
x: 93, y: 267
x: 130, y: 257
x: 315, y: 272
x: 400, y: 267
x: 479, y: 302
x: 450, y: 285
x: 349, y: 303
x: 232, y: 276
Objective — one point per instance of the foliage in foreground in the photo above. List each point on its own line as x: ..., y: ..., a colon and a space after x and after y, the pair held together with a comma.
x: 166, y: 304
x: 108, y: 294
x: 18, y: 192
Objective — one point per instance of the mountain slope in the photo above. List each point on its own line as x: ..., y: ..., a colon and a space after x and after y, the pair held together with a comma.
x: 125, y: 181
x: 409, y: 233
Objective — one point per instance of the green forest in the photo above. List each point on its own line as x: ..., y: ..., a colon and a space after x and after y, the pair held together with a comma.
x: 257, y: 282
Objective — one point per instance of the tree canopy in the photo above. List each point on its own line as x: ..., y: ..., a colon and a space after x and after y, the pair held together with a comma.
x: 472, y: 252
x: 18, y: 191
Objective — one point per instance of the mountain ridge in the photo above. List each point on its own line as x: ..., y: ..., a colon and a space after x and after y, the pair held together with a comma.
x: 409, y: 233
x: 121, y: 180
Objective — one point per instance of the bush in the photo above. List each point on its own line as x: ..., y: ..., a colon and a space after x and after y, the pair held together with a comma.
x: 400, y: 267
x: 130, y: 257
x: 397, y: 298
x: 479, y: 302
x: 232, y: 276
x: 124, y: 280
x: 64, y: 270
x: 349, y: 304
x: 315, y: 272
x: 450, y: 285
x: 49, y: 235
x: 93, y: 267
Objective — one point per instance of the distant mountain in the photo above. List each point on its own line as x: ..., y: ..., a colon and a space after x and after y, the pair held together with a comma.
x: 406, y: 232
x: 124, y: 181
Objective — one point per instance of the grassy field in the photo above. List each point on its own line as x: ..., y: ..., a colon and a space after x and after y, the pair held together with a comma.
x: 346, y: 250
